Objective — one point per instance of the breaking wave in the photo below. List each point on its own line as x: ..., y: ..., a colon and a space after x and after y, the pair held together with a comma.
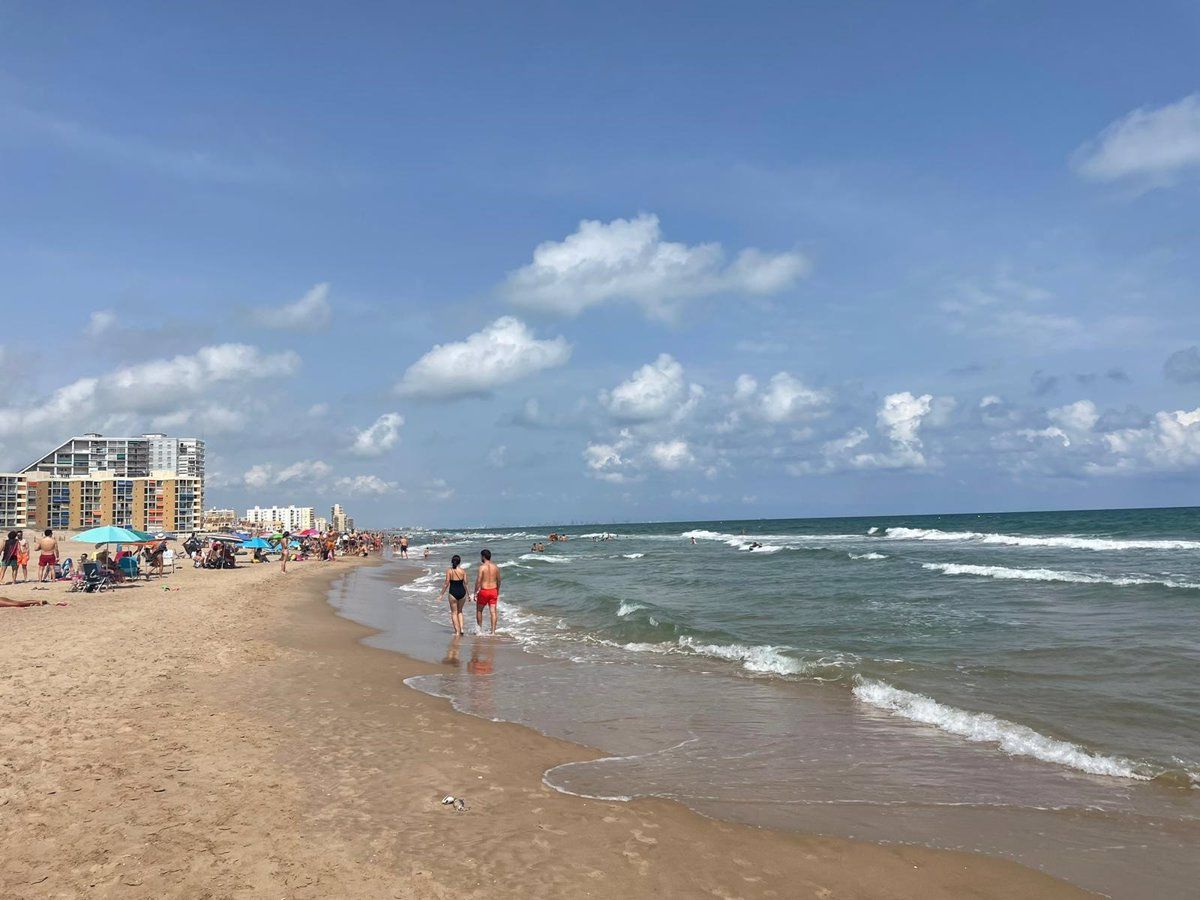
x: 1013, y: 739
x: 1004, y: 572
x: 1069, y: 542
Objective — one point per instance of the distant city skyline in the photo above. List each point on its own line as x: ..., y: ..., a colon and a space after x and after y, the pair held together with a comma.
x: 480, y: 266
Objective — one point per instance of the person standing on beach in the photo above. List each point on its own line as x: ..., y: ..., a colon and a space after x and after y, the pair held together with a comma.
x: 487, y: 588
x: 23, y: 555
x: 9, y: 557
x: 47, y: 556
x: 456, y: 586
x: 286, y: 551
x: 404, y: 546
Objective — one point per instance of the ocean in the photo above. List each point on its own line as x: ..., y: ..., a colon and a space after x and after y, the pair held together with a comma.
x: 1022, y: 684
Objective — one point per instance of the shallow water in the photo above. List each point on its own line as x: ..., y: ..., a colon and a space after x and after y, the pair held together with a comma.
x: 1019, y: 684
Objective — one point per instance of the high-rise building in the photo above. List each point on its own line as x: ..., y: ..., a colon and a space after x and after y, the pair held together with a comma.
x: 282, y: 518
x: 183, y: 456
x: 321, y: 524
x: 337, y: 518
x: 14, y: 502
x: 147, y: 504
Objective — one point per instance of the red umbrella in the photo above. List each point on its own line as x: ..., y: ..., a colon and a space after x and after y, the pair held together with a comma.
x: 309, y: 532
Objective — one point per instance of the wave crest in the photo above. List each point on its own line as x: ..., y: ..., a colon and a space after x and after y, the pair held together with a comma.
x: 1013, y: 739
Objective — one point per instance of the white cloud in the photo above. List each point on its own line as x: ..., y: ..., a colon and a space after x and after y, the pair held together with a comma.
x: 608, y: 461
x: 1154, y: 145
x: 1078, y: 417
x: 379, y: 437
x: 314, y: 474
x: 503, y: 353
x: 312, y: 312
x: 1170, y: 443
x: 101, y: 321
x: 785, y: 397
x: 671, y: 455
x: 131, y: 395
x: 899, y: 420
x: 318, y: 409
x: 901, y: 416
x: 365, y: 486
x: 655, y: 391
x: 305, y: 471
x: 627, y: 260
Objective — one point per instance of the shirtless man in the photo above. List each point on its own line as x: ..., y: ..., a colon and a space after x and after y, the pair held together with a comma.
x: 403, y: 546
x: 487, y: 588
x: 47, y: 556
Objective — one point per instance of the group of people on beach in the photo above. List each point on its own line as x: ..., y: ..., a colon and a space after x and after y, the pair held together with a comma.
x: 486, y: 591
x: 15, y: 556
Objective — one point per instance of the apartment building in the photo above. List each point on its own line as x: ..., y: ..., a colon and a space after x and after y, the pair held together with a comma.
x: 282, y: 518
x: 171, y: 504
x: 220, y: 519
x: 14, y: 501
x: 337, y: 518
x: 94, y: 454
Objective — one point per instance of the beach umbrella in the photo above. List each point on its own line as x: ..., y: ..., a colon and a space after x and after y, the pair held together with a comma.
x: 309, y: 532
x: 110, y: 534
x: 256, y: 544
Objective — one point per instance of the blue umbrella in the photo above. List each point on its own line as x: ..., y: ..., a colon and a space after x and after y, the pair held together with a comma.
x: 257, y: 544
x: 108, y: 534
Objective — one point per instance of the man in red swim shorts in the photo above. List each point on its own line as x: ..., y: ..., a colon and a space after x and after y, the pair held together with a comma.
x: 487, y: 588
x: 47, y: 556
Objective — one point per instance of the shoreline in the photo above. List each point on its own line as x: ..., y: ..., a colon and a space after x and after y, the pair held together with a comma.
x: 235, y: 736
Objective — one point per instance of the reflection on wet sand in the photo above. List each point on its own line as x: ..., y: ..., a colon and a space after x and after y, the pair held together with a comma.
x: 451, y: 657
x: 480, y: 686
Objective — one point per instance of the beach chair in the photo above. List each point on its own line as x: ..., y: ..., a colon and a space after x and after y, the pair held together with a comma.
x: 168, y: 560
x: 64, y: 569
x: 94, y: 579
x: 130, y: 568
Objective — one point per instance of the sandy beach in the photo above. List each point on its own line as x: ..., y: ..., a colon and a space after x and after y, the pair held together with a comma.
x: 231, y: 737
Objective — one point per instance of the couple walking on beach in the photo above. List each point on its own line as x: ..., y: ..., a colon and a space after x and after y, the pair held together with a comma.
x: 486, y: 593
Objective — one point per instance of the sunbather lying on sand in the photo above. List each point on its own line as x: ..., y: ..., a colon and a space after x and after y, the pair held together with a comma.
x: 4, y: 601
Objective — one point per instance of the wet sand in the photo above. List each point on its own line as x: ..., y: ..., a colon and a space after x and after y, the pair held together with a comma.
x: 232, y: 737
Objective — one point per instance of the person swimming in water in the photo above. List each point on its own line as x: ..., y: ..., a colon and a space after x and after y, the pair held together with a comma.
x: 456, y: 585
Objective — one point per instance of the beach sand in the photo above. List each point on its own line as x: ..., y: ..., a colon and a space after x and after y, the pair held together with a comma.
x: 231, y: 737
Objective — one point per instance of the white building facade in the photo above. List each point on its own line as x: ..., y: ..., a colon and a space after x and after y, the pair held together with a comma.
x: 282, y: 518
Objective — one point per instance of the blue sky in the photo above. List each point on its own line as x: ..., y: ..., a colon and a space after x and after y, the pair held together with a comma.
x: 542, y: 263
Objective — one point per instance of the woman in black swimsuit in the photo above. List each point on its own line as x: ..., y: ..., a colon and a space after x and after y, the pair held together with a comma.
x: 456, y: 585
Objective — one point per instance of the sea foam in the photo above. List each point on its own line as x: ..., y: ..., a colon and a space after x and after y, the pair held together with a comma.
x: 1013, y: 739
x: 1067, y: 542
x: 1007, y: 573
x: 758, y: 658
